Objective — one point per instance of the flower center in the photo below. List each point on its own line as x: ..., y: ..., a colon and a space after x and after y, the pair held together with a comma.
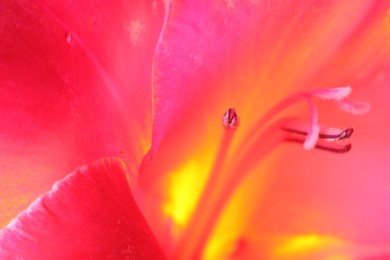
x: 231, y: 167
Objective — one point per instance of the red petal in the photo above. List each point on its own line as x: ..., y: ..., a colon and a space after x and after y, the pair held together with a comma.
x: 75, y: 86
x: 89, y: 214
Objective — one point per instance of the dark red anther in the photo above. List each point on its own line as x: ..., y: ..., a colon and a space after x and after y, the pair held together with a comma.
x: 230, y: 118
x: 347, y: 133
x: 333, y: 147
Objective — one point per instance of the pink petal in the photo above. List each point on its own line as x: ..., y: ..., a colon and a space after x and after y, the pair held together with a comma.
x: 89, y: 214
x: 248, y: 55
x: 76, y: 86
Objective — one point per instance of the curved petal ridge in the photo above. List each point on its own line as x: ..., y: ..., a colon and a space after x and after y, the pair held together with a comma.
x: 89, y: 214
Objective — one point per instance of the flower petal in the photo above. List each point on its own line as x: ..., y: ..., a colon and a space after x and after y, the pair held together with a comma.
x: 247, y: 55
x: 76, y: 86
x: 89, y: 214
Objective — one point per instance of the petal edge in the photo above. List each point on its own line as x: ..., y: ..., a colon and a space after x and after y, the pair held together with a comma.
x: 89, y: 214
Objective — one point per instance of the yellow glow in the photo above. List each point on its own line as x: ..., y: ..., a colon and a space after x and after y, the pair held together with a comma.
x: 307, y: 243
x: 184, y: 189
x: 226, y: 241
x: 220, y: 248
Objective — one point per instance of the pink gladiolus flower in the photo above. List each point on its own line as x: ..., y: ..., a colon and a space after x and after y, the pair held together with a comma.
x: 233, y: 119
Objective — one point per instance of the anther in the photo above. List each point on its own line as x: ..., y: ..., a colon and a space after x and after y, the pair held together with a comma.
x: 347, y: 133
x: 332, y: 147
x: 335, y: 149
x: 230, y: 119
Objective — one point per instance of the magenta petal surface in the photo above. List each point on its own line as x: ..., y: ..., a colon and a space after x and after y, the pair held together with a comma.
x: 89, y: 214
x: 75, y: 82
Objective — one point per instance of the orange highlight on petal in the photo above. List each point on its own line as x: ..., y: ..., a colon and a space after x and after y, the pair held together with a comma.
x: 386, y: 21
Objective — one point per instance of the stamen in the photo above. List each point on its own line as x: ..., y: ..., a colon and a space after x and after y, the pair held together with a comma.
x: 345, y: 134
x: 341, y: 149
x: 230, y: 119
x: 325, y: 146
